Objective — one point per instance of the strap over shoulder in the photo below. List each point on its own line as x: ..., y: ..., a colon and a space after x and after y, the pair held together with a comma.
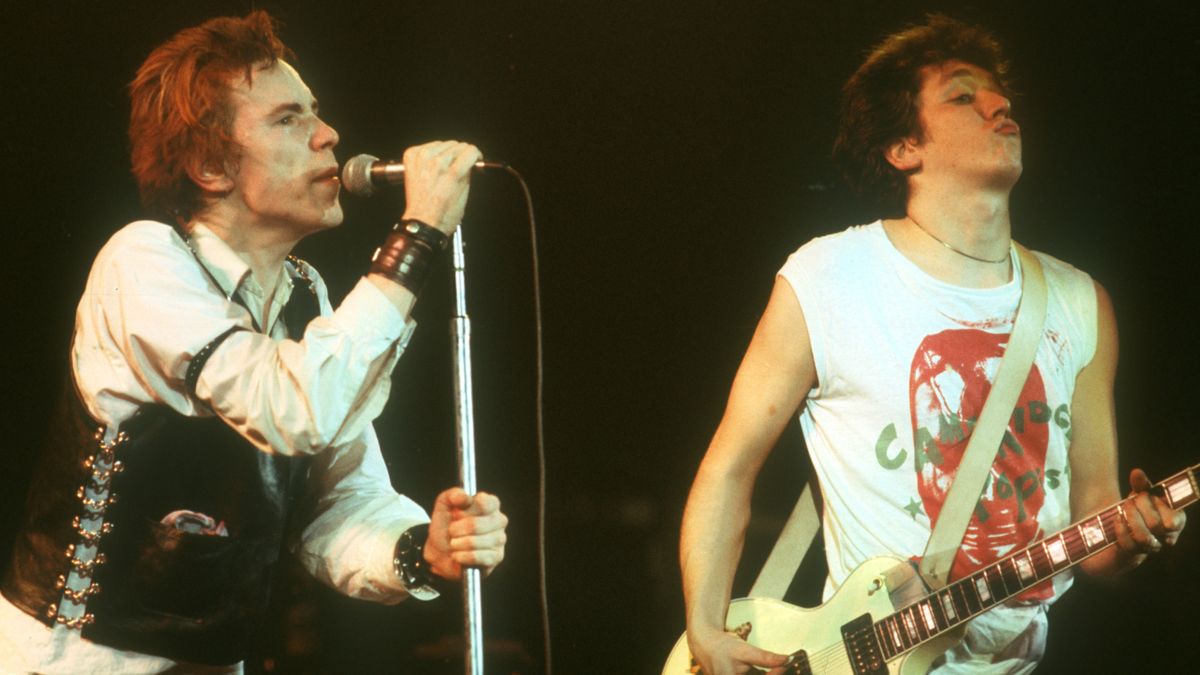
x: 989, y: 429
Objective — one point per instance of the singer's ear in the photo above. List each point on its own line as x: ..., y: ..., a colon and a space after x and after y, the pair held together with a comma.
x: 209, y: 176
x: 904, y: 154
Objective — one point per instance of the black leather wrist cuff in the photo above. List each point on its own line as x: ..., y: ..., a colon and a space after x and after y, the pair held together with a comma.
x: 404, y: 259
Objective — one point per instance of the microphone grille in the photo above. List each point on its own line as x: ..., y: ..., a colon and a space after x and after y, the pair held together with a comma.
x: 356, y: 175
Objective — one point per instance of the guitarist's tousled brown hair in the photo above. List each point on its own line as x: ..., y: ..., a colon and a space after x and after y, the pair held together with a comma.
x: 879, y: 102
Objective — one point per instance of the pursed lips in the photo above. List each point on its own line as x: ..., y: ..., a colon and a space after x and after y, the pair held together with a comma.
x: 1008, y: 127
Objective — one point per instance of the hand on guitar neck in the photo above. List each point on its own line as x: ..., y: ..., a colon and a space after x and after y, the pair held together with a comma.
x: 1147, y: 521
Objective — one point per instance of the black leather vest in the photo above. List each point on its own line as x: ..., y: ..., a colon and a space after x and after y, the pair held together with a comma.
x: 156, y: 589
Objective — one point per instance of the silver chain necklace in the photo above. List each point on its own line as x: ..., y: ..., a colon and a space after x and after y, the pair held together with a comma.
x: 962, y: 253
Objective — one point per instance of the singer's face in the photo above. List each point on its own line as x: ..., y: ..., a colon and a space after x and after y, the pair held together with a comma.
x: 286, y: 176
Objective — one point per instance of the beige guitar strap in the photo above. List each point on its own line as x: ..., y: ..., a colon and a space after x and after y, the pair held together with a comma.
x: 797, y: 535
x: 794, y: 541
x: 989, y: 430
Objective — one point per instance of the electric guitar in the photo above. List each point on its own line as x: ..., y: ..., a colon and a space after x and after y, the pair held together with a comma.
x: 859, y: 631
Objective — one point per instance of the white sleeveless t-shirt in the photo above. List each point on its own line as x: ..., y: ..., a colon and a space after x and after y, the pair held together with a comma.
x: 904, y: 363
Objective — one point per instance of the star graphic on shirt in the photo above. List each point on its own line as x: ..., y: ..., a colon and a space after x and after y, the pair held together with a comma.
x: 913, y: 508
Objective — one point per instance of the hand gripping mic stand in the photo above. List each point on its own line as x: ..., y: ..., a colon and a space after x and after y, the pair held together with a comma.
x: 464, y: 417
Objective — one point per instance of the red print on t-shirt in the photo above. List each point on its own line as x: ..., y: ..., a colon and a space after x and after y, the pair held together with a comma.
x: 951, y: 377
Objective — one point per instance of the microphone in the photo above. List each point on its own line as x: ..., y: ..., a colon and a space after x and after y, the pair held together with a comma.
x: 364, y: 172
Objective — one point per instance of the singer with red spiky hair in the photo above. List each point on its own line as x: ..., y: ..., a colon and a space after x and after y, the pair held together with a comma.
x: 219, y: 409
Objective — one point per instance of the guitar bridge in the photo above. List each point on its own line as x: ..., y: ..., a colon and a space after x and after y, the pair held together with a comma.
x: 798, y: 664
x: 866, y: 658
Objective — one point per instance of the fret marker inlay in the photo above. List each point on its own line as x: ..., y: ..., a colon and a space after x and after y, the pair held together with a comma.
x: 982, y: 588
x: 1024, y: 567
x: 927, y: 614
x: 1093, y: 534
x: 948, y: 606
x: 1056, y: 551
x: 1180, y: 490
x: 911, y: 627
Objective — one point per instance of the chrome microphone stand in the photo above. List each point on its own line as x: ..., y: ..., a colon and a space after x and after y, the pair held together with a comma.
x: 465, y: 426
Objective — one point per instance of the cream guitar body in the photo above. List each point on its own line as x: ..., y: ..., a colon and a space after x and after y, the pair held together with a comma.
x: 814, y: 636
x: 881, y: 621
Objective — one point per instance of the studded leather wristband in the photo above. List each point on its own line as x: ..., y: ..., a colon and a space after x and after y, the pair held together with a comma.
x: 410, y: 565
x: 423, y: 232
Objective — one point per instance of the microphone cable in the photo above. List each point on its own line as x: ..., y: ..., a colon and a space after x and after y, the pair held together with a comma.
x: 539, y: 415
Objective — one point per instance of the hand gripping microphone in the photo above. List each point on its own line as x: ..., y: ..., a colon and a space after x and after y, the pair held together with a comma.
x: 363, y: 173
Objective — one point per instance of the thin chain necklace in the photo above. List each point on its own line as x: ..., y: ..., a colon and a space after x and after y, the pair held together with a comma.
x: 962, y: 253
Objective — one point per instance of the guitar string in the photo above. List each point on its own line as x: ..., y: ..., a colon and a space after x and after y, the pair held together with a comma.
x: 827, y: 656
x: 1108, y: 516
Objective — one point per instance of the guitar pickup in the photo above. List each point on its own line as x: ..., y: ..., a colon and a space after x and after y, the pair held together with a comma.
x: 866, y: 658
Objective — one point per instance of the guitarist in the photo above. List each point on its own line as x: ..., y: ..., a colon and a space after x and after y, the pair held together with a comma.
x: 886, y: 338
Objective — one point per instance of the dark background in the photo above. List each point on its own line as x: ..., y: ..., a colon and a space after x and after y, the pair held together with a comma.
x: 677, y: 152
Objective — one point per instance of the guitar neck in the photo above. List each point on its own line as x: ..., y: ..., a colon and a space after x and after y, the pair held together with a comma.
x: 979, y: 591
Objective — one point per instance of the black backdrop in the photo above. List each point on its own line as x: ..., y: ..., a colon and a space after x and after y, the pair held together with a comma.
x: 676, y: 152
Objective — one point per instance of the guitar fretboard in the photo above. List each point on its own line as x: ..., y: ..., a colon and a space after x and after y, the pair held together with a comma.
x: 1017, y: 572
